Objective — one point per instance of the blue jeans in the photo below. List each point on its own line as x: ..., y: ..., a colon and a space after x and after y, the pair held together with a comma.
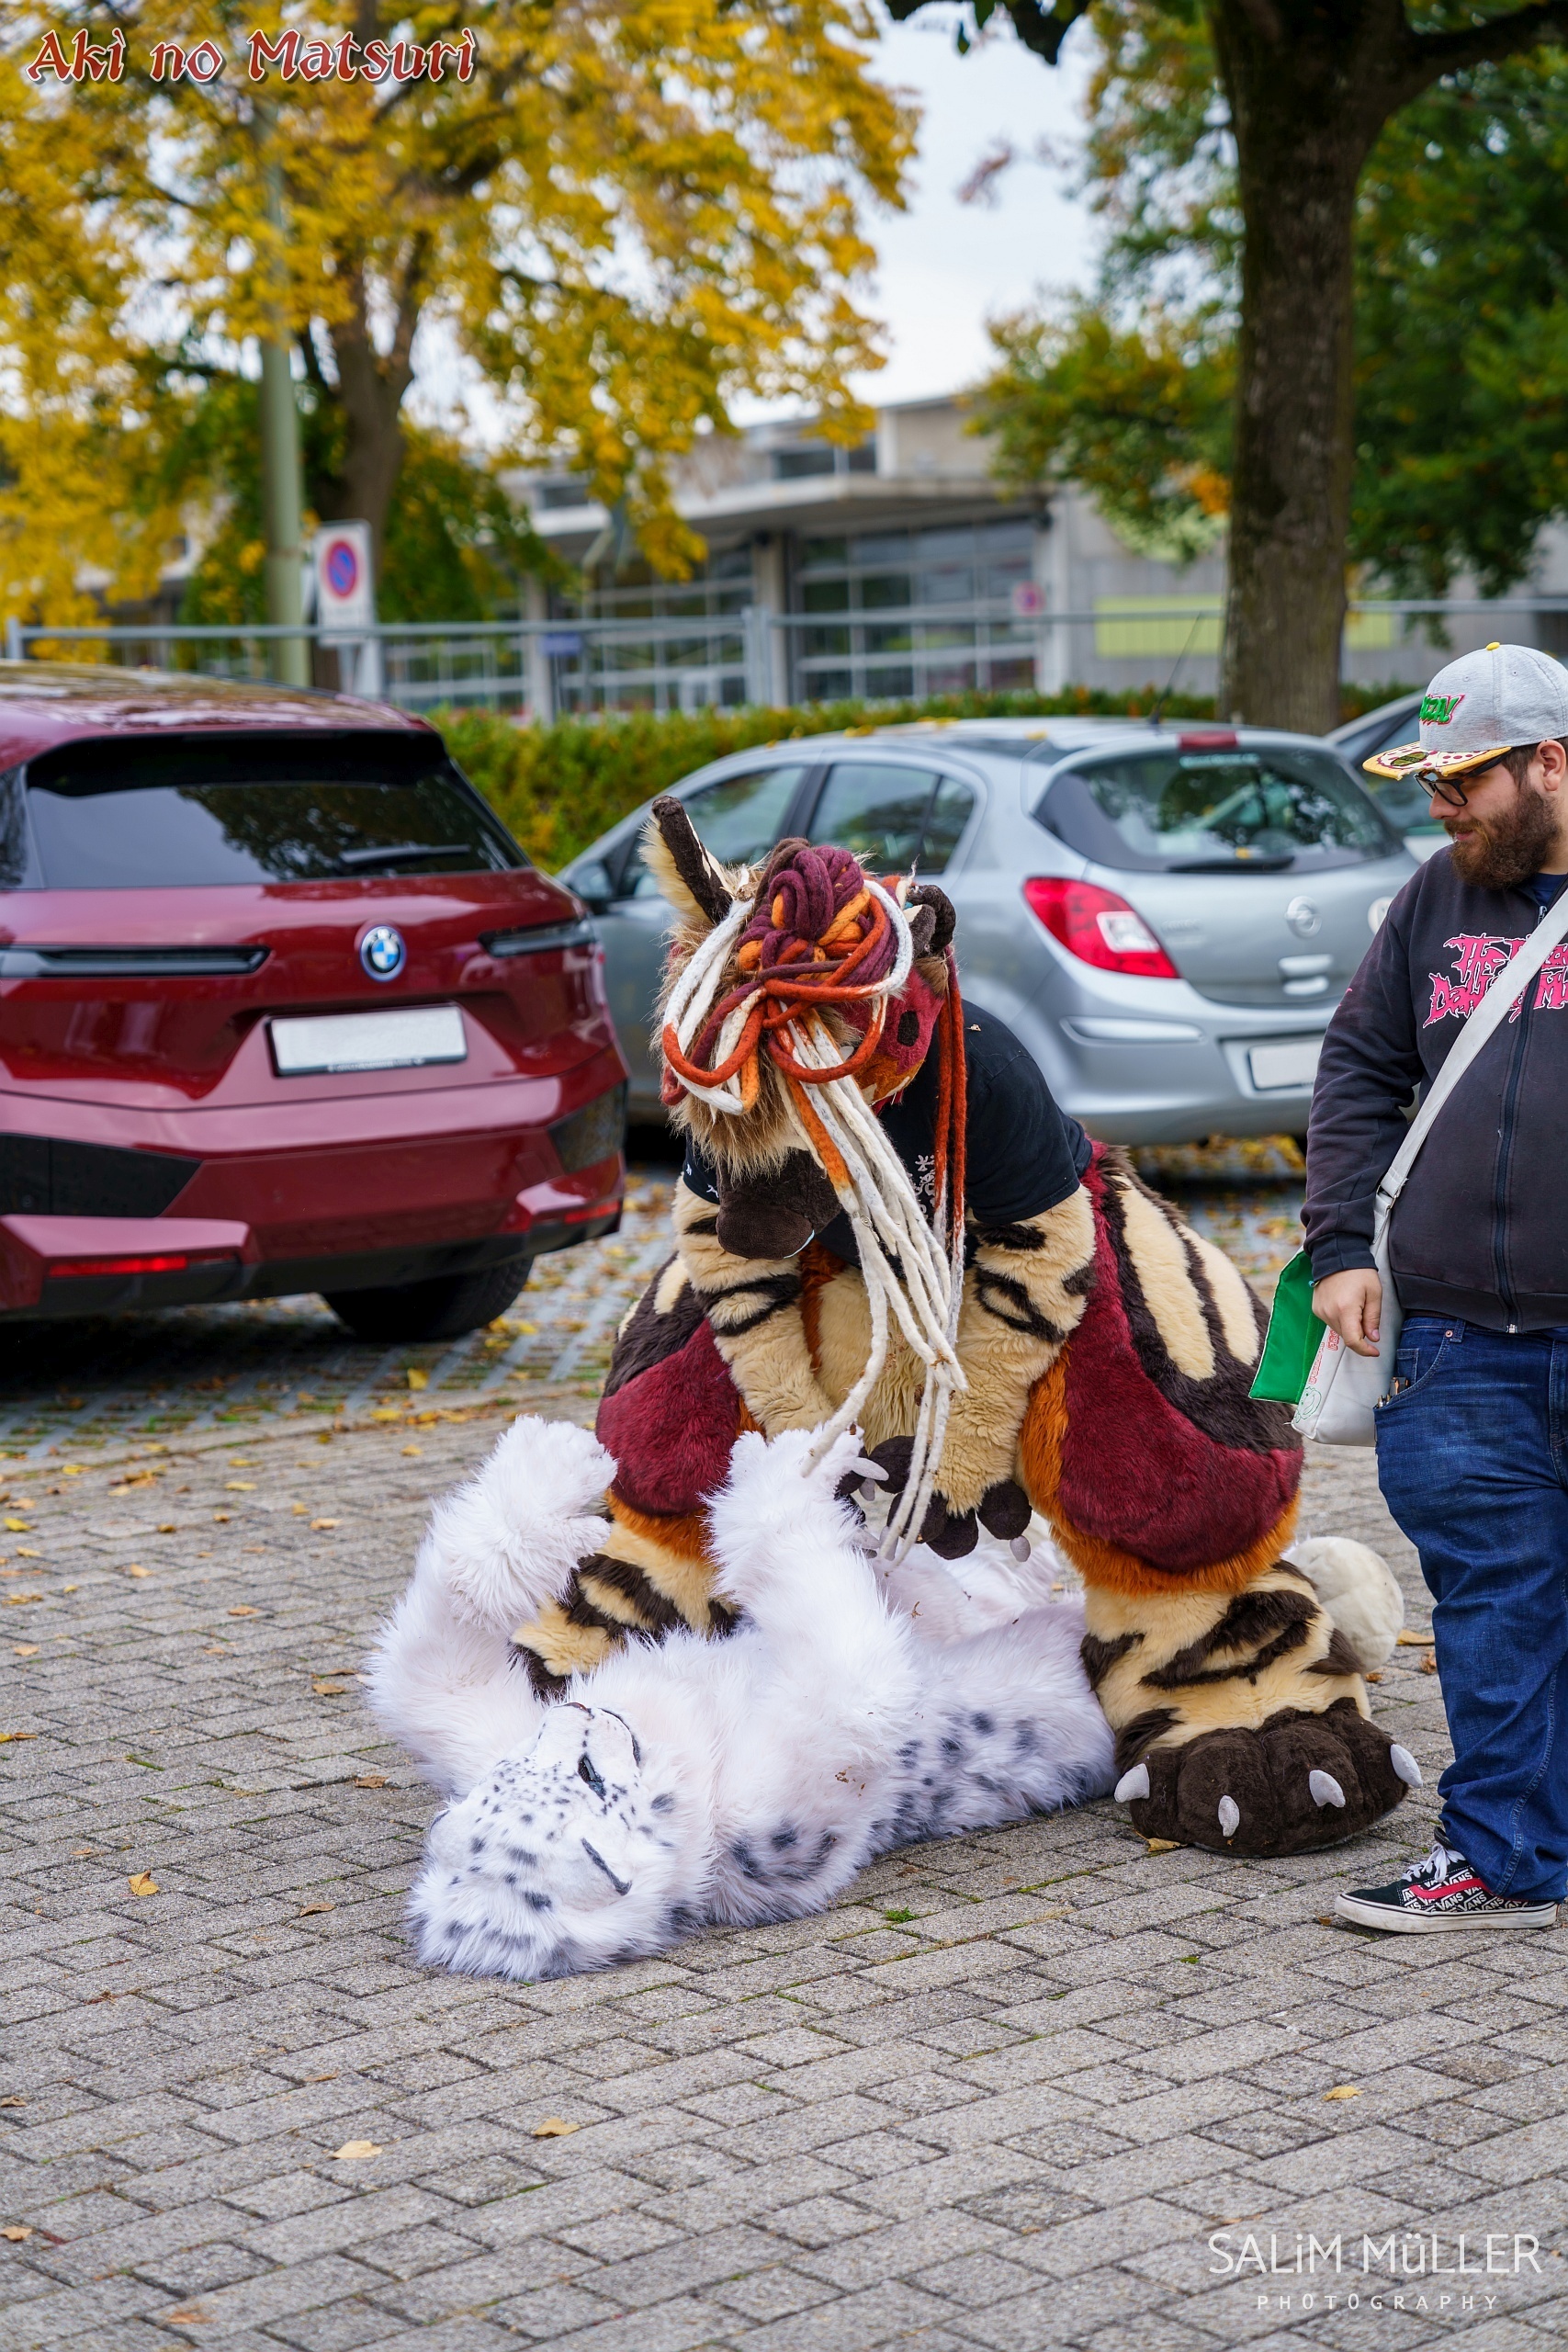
x: 1472, y: 1460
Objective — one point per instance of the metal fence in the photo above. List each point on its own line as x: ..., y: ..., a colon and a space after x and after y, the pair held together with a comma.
x: 545, y: 668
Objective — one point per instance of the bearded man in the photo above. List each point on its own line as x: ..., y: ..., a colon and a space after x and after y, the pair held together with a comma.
x: 1472, y: 1437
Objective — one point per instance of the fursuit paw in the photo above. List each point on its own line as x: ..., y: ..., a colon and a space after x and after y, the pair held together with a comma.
x: 1297, y: 1782
x: 777, y: 1499
x: 510, y: 1539
x: 1004, y: 1509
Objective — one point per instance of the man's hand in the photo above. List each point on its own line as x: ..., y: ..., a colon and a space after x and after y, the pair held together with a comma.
x: 1350, y: 1303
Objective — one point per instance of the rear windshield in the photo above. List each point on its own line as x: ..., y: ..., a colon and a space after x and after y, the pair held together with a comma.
x: 119, y: 812
x: 1172, y: 811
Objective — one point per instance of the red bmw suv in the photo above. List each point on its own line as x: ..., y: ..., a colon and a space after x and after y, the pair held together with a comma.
x: 283, y: 1007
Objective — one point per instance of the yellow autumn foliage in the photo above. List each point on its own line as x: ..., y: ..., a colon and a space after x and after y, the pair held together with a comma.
x: 629, y: 213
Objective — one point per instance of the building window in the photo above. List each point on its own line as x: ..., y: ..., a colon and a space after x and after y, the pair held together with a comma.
x: 692, y: 652
x: 946, y: 596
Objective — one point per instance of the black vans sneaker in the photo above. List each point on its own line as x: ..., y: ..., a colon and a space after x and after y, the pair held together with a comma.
x: 1440, y: 1892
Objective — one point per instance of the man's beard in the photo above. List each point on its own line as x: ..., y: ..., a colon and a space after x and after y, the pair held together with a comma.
x: 1507, y: 849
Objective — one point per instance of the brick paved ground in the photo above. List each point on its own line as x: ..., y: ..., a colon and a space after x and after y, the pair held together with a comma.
x: 1000, y: 2097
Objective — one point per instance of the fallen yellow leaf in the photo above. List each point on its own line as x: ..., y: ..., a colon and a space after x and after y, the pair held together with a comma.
x: 18, y: 2232
x: 25, y: 1649
x: 413, y: 1448
x: 18, y: 1527
x: 239, y: 1486
x: 1343, y: 2090
x: 166, y: 1527
x: 244, y: 1609
x: 312, y: 1908
x: 361, y: 1780
x: 143, y: 1882
x: 74, y: 1469
x: 136, y: 1569
x: 221, y: 1518
x: 23, y: 1554
x: 13, y: 2099
x: 329, y: 1690
x: 387, y: 1413
x: 191, y: 2318
x: 1413, y: 1641
x: 415, y: 1378
x: 20, y: 1599
x: 1429, y: 1663
x: 319, y: 1525
x: 555, y: 2127
x: 8, y: 1738
x: 302, y: 1510
x: 1162, y: 1845
x: 352, y: 2150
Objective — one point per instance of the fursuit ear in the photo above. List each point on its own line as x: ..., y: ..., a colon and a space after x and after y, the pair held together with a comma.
x: 688, y: 876
x: 925, y: 897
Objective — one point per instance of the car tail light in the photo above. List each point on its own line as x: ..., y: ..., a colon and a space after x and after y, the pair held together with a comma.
x: 1099, y: 927
x: 166, y: 1261
x: 1208, y: 739
x: 591, y: 1209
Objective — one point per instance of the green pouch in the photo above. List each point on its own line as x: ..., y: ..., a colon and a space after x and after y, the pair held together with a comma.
x: 1294, y: 1337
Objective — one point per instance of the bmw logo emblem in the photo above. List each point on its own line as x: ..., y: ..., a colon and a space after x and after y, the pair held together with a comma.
x: 382, y: 952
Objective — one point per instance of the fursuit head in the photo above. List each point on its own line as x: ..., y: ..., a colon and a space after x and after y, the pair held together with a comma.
x: 856, y: 1705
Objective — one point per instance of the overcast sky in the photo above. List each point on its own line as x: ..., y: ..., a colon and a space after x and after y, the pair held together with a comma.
x: 947, y: 266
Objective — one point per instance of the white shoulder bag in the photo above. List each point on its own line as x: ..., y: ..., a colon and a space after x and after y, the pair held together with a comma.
x: 1342, y: 1387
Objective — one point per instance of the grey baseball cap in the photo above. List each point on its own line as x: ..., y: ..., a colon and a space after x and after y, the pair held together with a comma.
x: 1480, y: 706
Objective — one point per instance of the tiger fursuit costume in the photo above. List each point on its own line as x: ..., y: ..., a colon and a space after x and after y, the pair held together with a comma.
x: 1091, y: 1363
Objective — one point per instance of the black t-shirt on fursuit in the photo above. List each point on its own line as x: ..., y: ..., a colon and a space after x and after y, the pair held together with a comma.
x: 1023, y: 1153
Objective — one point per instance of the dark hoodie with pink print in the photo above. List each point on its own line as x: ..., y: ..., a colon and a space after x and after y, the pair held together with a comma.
x: 1481, y: 1229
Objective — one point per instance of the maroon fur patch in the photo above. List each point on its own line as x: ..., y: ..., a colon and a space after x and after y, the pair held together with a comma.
x: 671, y: 1428
x: 1137, y: 1470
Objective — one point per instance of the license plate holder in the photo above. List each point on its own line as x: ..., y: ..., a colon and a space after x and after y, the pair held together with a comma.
x: 399, y: 1037
x: 1291, y: 1063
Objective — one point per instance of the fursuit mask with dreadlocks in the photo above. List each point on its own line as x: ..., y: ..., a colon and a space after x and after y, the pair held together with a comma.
x: 1091, y: 1364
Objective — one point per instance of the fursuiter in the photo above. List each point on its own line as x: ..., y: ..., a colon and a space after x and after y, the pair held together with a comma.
x: 885, y: 1221
x: 853, y: 1709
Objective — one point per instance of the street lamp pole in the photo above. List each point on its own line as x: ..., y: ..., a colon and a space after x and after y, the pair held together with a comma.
x: 281, y: 502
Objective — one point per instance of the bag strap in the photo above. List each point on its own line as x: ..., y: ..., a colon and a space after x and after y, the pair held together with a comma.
x: 1489, y: 1014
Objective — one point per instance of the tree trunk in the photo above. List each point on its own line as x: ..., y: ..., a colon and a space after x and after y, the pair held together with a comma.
x: 370, y: 391
x: 1306, y: 102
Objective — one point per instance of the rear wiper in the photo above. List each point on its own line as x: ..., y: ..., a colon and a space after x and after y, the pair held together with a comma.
x: 363, y: 859
x: 1232, y: 865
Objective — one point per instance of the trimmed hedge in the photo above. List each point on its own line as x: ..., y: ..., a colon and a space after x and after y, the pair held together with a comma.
x: 558, y: 787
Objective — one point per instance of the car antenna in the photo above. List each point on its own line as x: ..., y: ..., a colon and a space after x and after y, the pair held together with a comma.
x: 1163, y: 695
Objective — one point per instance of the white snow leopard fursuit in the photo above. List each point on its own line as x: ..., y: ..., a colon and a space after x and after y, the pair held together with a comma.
x: 855, y: 1707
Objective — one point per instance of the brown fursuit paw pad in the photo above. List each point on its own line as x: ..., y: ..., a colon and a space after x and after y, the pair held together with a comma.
x: 1299, y: 1781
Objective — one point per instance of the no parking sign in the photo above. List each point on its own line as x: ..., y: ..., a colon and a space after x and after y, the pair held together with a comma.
x: 345, y: 589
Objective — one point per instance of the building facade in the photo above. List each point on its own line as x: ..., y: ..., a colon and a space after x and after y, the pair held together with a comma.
x: 898, y: 568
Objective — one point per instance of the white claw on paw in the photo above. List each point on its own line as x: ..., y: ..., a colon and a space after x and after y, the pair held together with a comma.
x: 1132, y: 1784
x: 1404, y: 1764
x: 1230, y: 1816
x: 1325, y: 1789
x: 1020, y: 1547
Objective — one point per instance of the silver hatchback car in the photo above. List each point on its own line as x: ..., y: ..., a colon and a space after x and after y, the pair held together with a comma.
x: 1165, y: 916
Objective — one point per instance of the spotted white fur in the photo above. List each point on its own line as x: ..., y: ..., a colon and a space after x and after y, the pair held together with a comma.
x: 697, y: 1781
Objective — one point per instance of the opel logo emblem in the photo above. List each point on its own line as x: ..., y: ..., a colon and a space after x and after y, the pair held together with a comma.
x: 1303, y: 918
x: 382, y: 952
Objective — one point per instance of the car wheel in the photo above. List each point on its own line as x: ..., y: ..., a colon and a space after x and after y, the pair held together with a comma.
x: 442, y: 1309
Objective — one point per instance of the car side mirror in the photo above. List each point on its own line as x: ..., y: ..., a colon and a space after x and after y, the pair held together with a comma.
x: 594, y: 887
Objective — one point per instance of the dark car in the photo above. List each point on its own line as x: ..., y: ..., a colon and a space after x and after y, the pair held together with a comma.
x: 283, y: 1007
